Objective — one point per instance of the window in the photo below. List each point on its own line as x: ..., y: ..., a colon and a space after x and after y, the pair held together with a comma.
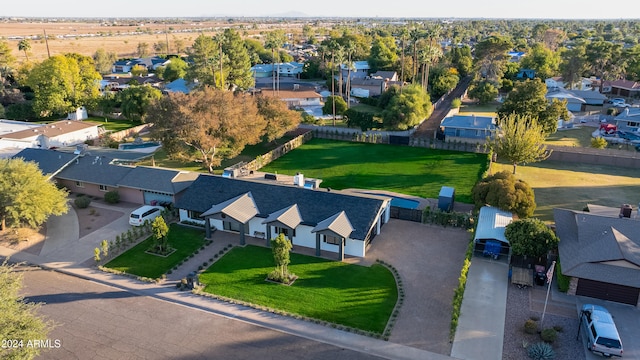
x: 104, y: 188
x: 332, y: 240
x: 285, y: 231
x: 79, y: 184
x: 194, y: 214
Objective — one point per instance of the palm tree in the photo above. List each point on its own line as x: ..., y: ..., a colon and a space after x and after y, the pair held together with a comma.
x: 415, y: 34
x: 428, y: 55
x: 404, y: 32
x: 349, y: 49
x: 275, y: 40
x: 24, y: 45
x: 339, y: 61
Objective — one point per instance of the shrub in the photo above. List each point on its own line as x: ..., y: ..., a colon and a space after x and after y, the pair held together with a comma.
x: 563, y: 280
x: 112, y: 197
x: 541, y: 351
x: 598, y: 142
x: 530, y: 326
x: 456, y: 103
x: 549, y: 335
x: 82, y: 202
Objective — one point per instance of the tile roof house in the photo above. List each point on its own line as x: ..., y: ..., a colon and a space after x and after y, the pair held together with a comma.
x: 601, y: 254
x: 98, y: 173
x: 56, y: 134
x: 324, y: 220
x: 295, y: 98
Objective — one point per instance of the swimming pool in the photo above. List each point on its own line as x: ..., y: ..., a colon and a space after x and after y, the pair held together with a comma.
x: 400, y: 202
x: 138, y: 146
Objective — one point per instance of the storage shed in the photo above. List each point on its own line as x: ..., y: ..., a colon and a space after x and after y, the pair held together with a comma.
x: 446, y: 198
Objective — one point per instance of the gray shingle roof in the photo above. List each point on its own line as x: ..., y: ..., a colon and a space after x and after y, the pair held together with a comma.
x: 49, y: 162
x: 337, y: 224
x: 289, y: 217
x: 241, y: 208
x: 314, y: 205
x: 95, y: 170
x: 599, y: 248
x: 157, y: 179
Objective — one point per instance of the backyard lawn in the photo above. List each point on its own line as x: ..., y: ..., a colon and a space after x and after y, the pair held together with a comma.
x: 479, y: 110
x: 136, y: 261
x: 406, y: 170
x: 114, y: 125
x: 352, y: 295
x: 574, y: 185
x: 578, y: 137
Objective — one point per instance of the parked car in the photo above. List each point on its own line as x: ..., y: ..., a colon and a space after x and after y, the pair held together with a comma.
x: 144, y: 213
x: 602, y: 335
x: 618, y: 102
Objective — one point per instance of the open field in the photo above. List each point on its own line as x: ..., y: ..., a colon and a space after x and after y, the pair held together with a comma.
x: 573, y: 185
x: 406, y: 170
x: 353, y: 295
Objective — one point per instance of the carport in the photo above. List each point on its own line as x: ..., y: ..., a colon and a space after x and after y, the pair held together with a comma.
x: 489, y: 239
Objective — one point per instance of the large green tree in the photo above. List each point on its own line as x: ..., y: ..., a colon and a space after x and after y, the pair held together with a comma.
x: 544, y: 61
x: 135, y: 100
x: 462, y: 59
x: 573, y: 64
x: 527, y: 99
x: 383, y: 54
x: 19, y: 319
x: 484, y: 91
x: 491, y: 54
x: 238, y: 61
x: 505, y: 192
x: 25, y: 46
x: 26, y: 195
x: 408, y: 108
x: 205, y: 60
x: 62, y: 83
x: 175, y: 69
x: 104, y: 61
x: 334, y: 103
x: 519, y: 140
x: 530, y: 237
x: 605, y: 60
x: 198, y: 125
x: 6, y: 60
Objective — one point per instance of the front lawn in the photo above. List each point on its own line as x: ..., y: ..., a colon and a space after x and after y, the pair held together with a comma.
x: 336, y: 292
x: 406, y: 170
x: 136, y: 261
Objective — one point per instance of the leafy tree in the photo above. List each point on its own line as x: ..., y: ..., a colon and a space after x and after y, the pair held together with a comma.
x: 160, y: 230
x: 104, y: 61
x: 311, y: 69
x: 364, y: 120
x: 139, y: 70
x: 521, y: 140
x: 573, y: 64
x: 505, y: 192
x: 530, y: 237
x: 605, y: 60
x: 19, y: 320
x: 206, y: 60
x: 176, y: 69
x: 197, y: 125
x: 62, y: 83
x: 491, y: 54
x: 484, y: 91
x: 6, y: 60
x: 599, y: 142
x: 26, y: 196
x: 544, y: 61
x: 142, y: 50
x: 407, y: 109
x: 161, y: 48
x: 462, y: 59
x: 528, y: 100
x: 135, y: 101
x: 383, y: 55
x: 25, y: 46
x: 238, y: 61
x: 279, y: 118
x: 340, y: 105
x: 442, y: 80
x: 274, y: 41
x: 280, y: 247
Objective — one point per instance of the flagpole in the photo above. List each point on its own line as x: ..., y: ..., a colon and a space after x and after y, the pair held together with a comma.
x: 550, y: 279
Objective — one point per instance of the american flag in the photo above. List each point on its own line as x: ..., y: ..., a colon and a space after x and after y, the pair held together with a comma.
x: 550, y: 272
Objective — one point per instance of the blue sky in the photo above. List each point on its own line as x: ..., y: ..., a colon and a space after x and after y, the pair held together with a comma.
x: 562, y: 9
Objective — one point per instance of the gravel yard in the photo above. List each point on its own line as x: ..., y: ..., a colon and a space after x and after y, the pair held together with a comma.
x: 523, y: 304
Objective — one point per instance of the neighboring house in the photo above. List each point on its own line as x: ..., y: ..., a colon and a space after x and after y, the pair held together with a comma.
x: 179, y: 85
x: 385, y: 75
x: 628, y: 119
x: 515, y: 56
x: 490, y: 231
x: 526, y: 74
x: 119, y: 83
x: 574, y: 102
x: 590, y: 97
x: 123, y: 66
x: 585, y: 84
x: 56, y: 134
x: 96, y: 174
x: 319, y: 219
x: 554, y: 82
x: 295, y: 98
x: 151, y: 63
x: 359, y: 69
x: 601, y: 254
x: 290, y: 69
x: 474, y: 127
x: 262, y: 70
x: 625, y: 88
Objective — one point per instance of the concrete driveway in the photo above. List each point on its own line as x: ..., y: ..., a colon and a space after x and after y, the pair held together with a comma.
x: 429, y: 259
x: 627, y: 319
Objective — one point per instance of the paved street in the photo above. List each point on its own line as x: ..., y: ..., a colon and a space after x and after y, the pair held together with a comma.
x: 94, y: 321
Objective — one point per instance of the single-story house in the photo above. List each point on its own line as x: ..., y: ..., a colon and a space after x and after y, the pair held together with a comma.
x: 625, y: 88
x: 628, y: 119
x: 295, y: 98
x: 590, y: 97
x: 385, y: 75
x: 151, y: 63
x: 360, y: 69
x: 465, y: 126
x: 367, y: 87
x: 179, y: 85
x: 574, y: 102
x: 601, y: 254
x: 516, y: 56
x: 290, y: 69
x: 585, y: 84
x: 323, y: 220
x: 56, y: 134
x: 97, y: 174
x: 489, y: 238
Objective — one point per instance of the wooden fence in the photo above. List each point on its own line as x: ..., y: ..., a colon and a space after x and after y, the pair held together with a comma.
x: 265, y: 159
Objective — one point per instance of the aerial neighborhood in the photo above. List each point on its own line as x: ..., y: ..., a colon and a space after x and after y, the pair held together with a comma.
x: 398, y: 188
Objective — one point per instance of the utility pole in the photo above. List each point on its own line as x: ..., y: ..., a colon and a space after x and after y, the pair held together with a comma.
x: 166, y: 33
x: 46, y: 41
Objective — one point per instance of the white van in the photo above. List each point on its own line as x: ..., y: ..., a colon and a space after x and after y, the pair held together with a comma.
x: 144, y: 213
x: 602, y: 335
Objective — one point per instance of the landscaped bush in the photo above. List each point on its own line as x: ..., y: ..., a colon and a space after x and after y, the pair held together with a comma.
x: 82, y: 202
x: 530, y: 326
x: 458, y: 294
x: 541, y: 351
x: 563, y: 281
x: 112, y: 197
x: 549, y: 335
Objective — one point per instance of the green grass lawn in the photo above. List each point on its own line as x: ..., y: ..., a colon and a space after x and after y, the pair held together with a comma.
x: 367, y: 109
x: 136, y: 261
x: 114, y: 125
x: 578, y: 137
x: 406, y: 170
x: 480, y: 110
x: 352, y: 295
x: 573, y: 185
